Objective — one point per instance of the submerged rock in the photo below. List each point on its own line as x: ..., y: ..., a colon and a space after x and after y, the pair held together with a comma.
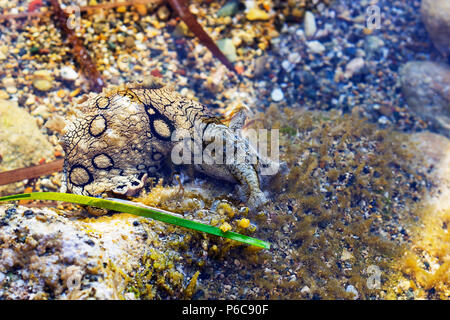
x: 48, y: 255
x: 426, y: 87
x: 21, y: 142
x: 436, y: 16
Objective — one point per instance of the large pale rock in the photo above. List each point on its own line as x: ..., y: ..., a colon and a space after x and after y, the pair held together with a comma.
x: 49, y: 253
x: 44, y: 254
x: 436, y: 16
x: 426, y: 87
x: 21, y: 142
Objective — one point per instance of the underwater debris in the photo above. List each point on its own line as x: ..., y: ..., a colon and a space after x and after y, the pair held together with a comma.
x: 192, y: 286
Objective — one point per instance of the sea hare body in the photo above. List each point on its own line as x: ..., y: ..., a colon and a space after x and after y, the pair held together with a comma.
x: 118, y: 138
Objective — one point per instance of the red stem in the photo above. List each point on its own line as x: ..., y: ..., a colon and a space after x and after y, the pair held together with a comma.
x: 30, y: 172
x: 182, y: 10
x: 80, y: 53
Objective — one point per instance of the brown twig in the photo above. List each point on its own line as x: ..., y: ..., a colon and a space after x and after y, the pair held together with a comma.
x: 30, y: 172
x: 80, y: 53
x: 181, y: 8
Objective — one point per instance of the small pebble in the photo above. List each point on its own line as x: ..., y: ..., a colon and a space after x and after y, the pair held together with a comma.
x: 260, y: 66
x: 67, y: 73
x: 229, y: 9
x: 30, y: 100
x: 163, y: 13
x: 141, y: 9
x: 294, y: 57
x: 309, y: 24
x: 371, y: 45
x: 383, y: 120
x: 315, y: 46
x: 286, y: 65
x: 56, y: 123
x: 121, y: 9
x: 122, y: 63
x: 228, y: 49
x: 47, y: 183
x: 257, y: 14
x: 10, y: 85
x: 42, y: 84
x: 129, y: 42
x: 277, y: 95
x: 354, y: 66
x: 4, y: 94
x: 305, y: 290
x: 28, y: 213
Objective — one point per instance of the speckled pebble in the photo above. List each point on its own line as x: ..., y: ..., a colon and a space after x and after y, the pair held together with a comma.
x: 68, y: 73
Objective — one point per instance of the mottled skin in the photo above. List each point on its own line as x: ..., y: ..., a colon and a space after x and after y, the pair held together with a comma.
x: 117, y: 139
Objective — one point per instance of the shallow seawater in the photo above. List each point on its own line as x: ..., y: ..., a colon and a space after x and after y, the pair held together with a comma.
x: 354, y: 93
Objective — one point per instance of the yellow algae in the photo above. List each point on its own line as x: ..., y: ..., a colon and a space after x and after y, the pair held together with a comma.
x: 244, y: 223
x: 192, y: 286
x: 427, y: 262
x: 225, y: 208
x: 225, y: 227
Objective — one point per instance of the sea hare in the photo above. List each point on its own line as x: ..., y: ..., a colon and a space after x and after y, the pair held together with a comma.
x: 115, y: 140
